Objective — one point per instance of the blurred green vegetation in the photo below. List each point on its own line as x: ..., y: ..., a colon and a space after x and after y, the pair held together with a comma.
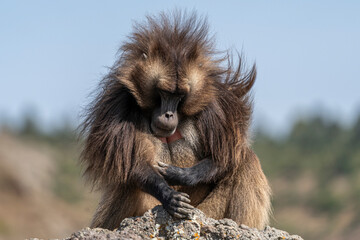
x: 4, y: 228
x: 326, y: 153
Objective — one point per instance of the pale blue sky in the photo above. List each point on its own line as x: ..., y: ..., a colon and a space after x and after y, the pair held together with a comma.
x: 53, y: 53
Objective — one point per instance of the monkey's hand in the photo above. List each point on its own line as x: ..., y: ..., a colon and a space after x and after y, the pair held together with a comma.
x: 204, y: 171
x: 174, y: 175
x: 177, y: 204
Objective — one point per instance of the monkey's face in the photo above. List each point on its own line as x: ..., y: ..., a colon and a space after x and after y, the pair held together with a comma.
x: 165, y: 115
x: 169, y: 80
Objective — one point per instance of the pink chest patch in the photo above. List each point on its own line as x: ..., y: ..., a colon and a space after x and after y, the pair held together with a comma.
x: 176, y: 136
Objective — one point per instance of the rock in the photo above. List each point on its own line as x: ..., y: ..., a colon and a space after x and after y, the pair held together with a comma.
x: 158, y: 224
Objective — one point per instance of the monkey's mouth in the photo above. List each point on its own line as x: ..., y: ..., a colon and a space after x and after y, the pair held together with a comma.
x: 174, y: 136
x: 160, y: 132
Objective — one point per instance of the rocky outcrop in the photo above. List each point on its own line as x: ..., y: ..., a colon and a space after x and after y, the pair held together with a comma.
x: 158, y: 224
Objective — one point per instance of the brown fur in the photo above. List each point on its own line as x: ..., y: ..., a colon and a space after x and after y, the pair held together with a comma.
x: 174, y: 53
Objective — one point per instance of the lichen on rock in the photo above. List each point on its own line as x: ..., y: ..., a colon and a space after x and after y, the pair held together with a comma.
x: 158, y: 224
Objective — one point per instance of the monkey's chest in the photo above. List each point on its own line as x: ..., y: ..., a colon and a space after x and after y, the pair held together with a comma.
x: 179, y: 153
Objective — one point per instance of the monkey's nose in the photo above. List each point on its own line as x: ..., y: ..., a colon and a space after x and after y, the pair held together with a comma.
x: 169, y: 115
x: 167, y: 122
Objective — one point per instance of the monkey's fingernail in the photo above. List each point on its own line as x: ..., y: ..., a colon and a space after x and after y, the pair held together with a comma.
x: 186, y: 195
x: 183, y: 211
x: 185, y: 205
x: 178, y: 215
x: 161, y: 164
x: 185, y: 199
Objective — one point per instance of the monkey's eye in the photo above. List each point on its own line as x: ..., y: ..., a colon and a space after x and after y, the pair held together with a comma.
x: 144, y: 56
x: 166, y: 94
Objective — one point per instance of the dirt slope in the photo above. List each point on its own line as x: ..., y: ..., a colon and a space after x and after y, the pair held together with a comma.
x: 28, y: 206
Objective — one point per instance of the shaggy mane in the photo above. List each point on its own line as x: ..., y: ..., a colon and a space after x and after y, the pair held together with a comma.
x: 114, y: 117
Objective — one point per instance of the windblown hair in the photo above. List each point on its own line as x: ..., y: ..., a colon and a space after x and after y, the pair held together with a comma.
x: 219, y: 102
x: 169, y: 124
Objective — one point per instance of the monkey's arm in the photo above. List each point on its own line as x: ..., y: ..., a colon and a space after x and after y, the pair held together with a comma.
x: 176, y: 203
x: 203, y: 172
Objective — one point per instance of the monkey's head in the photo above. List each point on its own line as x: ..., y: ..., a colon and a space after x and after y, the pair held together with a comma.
x: 168, y: 67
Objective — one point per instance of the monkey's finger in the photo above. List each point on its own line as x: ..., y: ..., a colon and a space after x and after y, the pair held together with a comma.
x: 162, y: 171
x: 183, y: 199
x: 184, y: 194
x: 158, y: 168
x: 176, y: 214
x: 183, y: 211
x: 164, y: 165
x: 186, y: 205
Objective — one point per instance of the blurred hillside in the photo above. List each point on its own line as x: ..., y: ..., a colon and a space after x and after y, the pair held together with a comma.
x: 315, y: 175
x: 314, y: 172
x: 41, y: 191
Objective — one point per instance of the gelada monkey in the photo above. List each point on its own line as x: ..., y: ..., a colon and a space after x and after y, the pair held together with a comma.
x: 169, y: 126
